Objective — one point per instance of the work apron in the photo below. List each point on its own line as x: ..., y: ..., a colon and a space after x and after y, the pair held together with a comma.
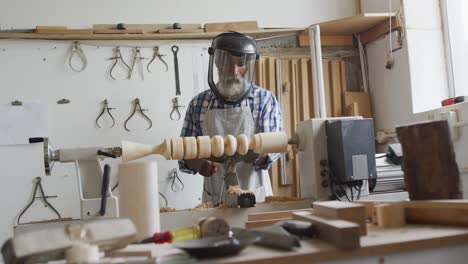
x: 233, y: 121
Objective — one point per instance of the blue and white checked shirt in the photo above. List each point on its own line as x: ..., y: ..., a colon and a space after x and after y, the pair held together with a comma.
x: 265, y: 112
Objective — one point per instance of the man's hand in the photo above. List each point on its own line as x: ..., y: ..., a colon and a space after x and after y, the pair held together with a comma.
x: 202, y: 166
x: 256, y: 159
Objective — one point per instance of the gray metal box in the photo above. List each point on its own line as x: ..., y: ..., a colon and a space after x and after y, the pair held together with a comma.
x: 351, y: 149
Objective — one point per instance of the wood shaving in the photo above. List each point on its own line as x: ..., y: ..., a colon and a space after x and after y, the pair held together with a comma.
x: 166, y: 209
x: 234, y: 189
x: 204, y: 206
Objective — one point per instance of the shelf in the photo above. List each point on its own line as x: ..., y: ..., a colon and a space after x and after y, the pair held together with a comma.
x: 353, y: 25
x: 171, y: 36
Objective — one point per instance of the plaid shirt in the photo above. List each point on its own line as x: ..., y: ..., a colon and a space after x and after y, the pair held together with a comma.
x: 265, y: 112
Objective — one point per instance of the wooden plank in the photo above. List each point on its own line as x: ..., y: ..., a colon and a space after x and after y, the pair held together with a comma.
x: 327, y: 87
x: 204, y: 35
x: 47, y: 29
x: 85, y: 31
x: 379, y: 30
x: 340, y: 233
x: 352, y: 109
x: 118, y: 31
x: 429, y: 164
x: 325, y: 40
x: 352, y: 212
x: 295, y: 108
x: 182, y: 30
x: 311, y: 90
x: 363, y: 102
x: 275, y: 215
x: 147, y: 28
x: 353, y: 24
x: 390, y: 215
x: 304, y: 98
x: 336, y: 88
x: 231, y: 26
x: 344, y: 84
x: 262, y: 223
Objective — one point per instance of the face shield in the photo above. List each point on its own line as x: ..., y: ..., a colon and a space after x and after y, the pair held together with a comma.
x: 231, y: 74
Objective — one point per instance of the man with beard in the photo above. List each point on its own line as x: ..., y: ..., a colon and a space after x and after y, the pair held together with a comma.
x: 232, y: 106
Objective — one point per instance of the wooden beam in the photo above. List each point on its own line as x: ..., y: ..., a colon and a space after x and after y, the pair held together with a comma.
x: 340, y: 233
x: 379, y: 30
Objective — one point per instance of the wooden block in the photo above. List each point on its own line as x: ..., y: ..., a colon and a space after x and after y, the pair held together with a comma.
x: 390, y: 215
x: 352, y: 212
x: 352, y: 109
x: 437, y: 216
x: 363, y: 102
x: 118, y: 31
x: 275, y: 215
x: 429, y: 164
x: 231, y: 26
x: 262, y: 223
x: 182, y: 30
x: 340, y: 233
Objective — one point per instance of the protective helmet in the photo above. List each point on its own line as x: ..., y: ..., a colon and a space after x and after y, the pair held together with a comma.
x: 232, y: 66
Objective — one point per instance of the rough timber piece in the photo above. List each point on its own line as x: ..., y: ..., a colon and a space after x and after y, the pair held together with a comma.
x: 390, y: 215
x: 190, y: 147
x: 132, y: 151
x: 230, y: 145
x: 242, y: 144
x: 352, y: 212
x: 231, y: 26
x: 217, y: 146
x: 177, y: 145
x: 272, y: 142
x: 429, y: 165
x: 342, y: 234
x: 204, y: 147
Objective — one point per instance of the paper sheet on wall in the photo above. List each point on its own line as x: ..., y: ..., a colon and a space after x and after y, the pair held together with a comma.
x: 19, y: 123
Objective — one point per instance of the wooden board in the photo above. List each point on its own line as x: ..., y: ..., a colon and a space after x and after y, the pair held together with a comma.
x: 352, y: 212
x: 274, y: 215
x: 146, y: 28
x: 86, y: 31
x: 363, y: 102
x: 342, y: 234
x: 118, y: 31
x: 336, y: 88
x: 263, y: 223
x: 327, y: 87
x: 429, y: 164
x: 354, y: 24
x: 231, y: 26
x: 174, y: 31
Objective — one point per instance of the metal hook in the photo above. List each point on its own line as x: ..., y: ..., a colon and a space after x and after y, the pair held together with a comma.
x: 159, y: 55
x: 137, y: 57
x: 76, y: 50
x: 117, y: 57
x: 175, y: 176
x: 137, y: 107
x: 43, y: 197
x: 107, y: 109
x: 175, y: 109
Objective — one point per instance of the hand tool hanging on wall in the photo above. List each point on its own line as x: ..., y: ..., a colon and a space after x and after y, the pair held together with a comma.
x: 137, y: 107
x: 175, y: 109
x: 175, y: 49
x: 107, y: 109
x: 159, y: 56
x: 43, y: 197
x: 77, y: 51
x: 137, y: 58
x: 174, y: 176
x: 116, y: 58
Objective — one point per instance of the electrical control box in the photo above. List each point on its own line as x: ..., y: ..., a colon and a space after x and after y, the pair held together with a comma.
x: 351, y: 150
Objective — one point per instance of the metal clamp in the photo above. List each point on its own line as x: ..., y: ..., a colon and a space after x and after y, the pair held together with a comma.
x: 159, y: 56
x: 175, y: 109
x: 137, y: 107
x: 116, y: 58
x: 137, y: 58
x: 107, y: 109
x: 76, y: 50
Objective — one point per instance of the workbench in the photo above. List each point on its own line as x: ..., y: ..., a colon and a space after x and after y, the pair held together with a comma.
x: 409, y: 244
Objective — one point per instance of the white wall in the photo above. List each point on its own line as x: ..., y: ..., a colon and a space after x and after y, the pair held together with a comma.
x: 37, y: 71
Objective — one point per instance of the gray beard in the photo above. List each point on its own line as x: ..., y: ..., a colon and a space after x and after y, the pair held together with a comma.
x: 231, y: 88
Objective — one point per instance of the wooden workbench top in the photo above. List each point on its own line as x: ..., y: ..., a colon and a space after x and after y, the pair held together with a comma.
x: 377, y: 242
